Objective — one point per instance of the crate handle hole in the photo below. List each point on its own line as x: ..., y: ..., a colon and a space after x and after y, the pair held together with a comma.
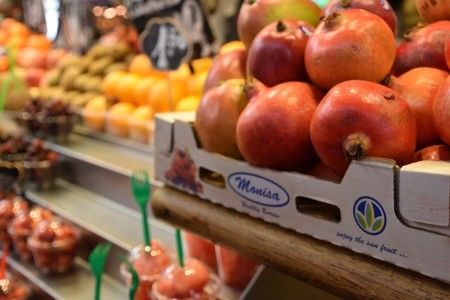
x: 212, y: 178
x: 318, y: 209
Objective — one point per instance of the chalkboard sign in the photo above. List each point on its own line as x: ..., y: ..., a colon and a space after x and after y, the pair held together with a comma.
x: 166, y: 43
x: 188, y: 14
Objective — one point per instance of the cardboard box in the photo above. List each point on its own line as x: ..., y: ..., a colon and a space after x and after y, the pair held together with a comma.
x: 360, y: 213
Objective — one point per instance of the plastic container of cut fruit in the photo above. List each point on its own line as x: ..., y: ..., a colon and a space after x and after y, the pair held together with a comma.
x: 21, y: 227
x: 57, y: 128
x: 54, y: 246
x: 141, y: 131
x: 193, y: 281
x: 12, y: 288
x: 40, y: 175
x: 149, y: 264
x: 235, y: 270
x: 8, y: 209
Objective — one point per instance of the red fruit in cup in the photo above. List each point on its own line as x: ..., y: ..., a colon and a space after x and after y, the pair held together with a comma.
x: 435, y: 152
x: 182, y: 282
x: 441, y: 111
x: 217, y: 116
x: 419, y: 86
x: 273, y: 130
x: 351, y: 44
x: 254, y: 15
x: 358, y: 118
x: 434, y: 10
x: 226, y: 66
x: 423, y: 47
x: 279, y: 46
x: 381, y: 8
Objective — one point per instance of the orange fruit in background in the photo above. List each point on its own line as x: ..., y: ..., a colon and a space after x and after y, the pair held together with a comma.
x: 188, y: 103
x: 231, y: 46
x: 196, y: 83
x: 125, y: 87
x: 3, y: 37
x: 39, y: 41
x: 16, y: 41
x: 94, y: 113
x: 110, y: 83
x: 202, y: 64
x: 141, y: 65
x: 159, y: 97
x: 142, y: 89
x: 117, y: 118
x: 17, y: 28
x: 3, y: 63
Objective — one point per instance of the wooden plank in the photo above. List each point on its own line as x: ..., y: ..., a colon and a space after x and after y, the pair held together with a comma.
x: 337, y: 270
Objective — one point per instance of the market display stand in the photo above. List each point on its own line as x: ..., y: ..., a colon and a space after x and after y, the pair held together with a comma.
x: 337, y: 270
x: 93, y: 192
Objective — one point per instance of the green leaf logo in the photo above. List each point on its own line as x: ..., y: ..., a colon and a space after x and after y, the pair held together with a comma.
x: 369, y: 215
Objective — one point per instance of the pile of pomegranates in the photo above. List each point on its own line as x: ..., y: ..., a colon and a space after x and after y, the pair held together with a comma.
x: 312, y: 95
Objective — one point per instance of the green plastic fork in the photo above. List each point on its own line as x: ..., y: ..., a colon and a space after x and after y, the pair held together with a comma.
x: 134, y: 279
x: 140, y: 185
x: 97, y: 260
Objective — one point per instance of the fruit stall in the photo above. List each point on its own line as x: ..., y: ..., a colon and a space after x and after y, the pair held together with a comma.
x: 257, y: 149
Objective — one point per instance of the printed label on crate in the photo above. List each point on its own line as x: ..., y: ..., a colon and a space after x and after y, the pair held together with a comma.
x: 258, y: 189
x: 369, y: 215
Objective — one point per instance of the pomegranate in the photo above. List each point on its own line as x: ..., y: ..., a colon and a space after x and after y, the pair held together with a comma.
x: 320, y: 170
x: 419, y: 86
x: 351, y: 44
x: 279, y: 46
x: 217, y: 115
x: 434, y: 10
x: 447, y: 53
x: 359, y: 118
x: 435, y: 152
x: 226, y: 66
x: 273, y: 130
x: 381, y: 8
x: 254, y: 15
x: 441, y: 111
x: 423, y: 47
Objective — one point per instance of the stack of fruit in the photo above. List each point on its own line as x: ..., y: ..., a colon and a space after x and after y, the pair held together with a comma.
x: 77, y: 79
x: 33, y: 56
x: 141, y: 91
x: 307, y: 88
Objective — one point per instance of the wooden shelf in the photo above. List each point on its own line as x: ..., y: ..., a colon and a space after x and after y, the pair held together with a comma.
x: 337, y: 270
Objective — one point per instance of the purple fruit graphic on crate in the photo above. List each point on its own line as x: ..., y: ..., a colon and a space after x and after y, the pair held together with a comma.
x: 182, y: 172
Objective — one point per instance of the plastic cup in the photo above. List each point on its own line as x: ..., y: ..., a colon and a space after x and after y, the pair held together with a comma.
x: 194, y: 281
x: 149, y: 264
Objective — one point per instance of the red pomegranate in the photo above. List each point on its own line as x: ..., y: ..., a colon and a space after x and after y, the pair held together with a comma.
x: 434, y: 10
x: 351, y: 44
x: 217, y: 115
x: 273, y: 130
x: 441, y: 111
x: 279, y: 46
x: 419, y: 86
x: 435, y: 152
x: 359, y: 118
x: 320, y: 170
x: 447, y: 53
x: 381, y: 8
x: 254, y: 15
x: 423, y: 47
x: 226, y: 66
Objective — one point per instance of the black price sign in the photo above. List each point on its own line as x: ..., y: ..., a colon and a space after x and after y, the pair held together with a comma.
x: 165, y: 43
x: 187, y: 15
